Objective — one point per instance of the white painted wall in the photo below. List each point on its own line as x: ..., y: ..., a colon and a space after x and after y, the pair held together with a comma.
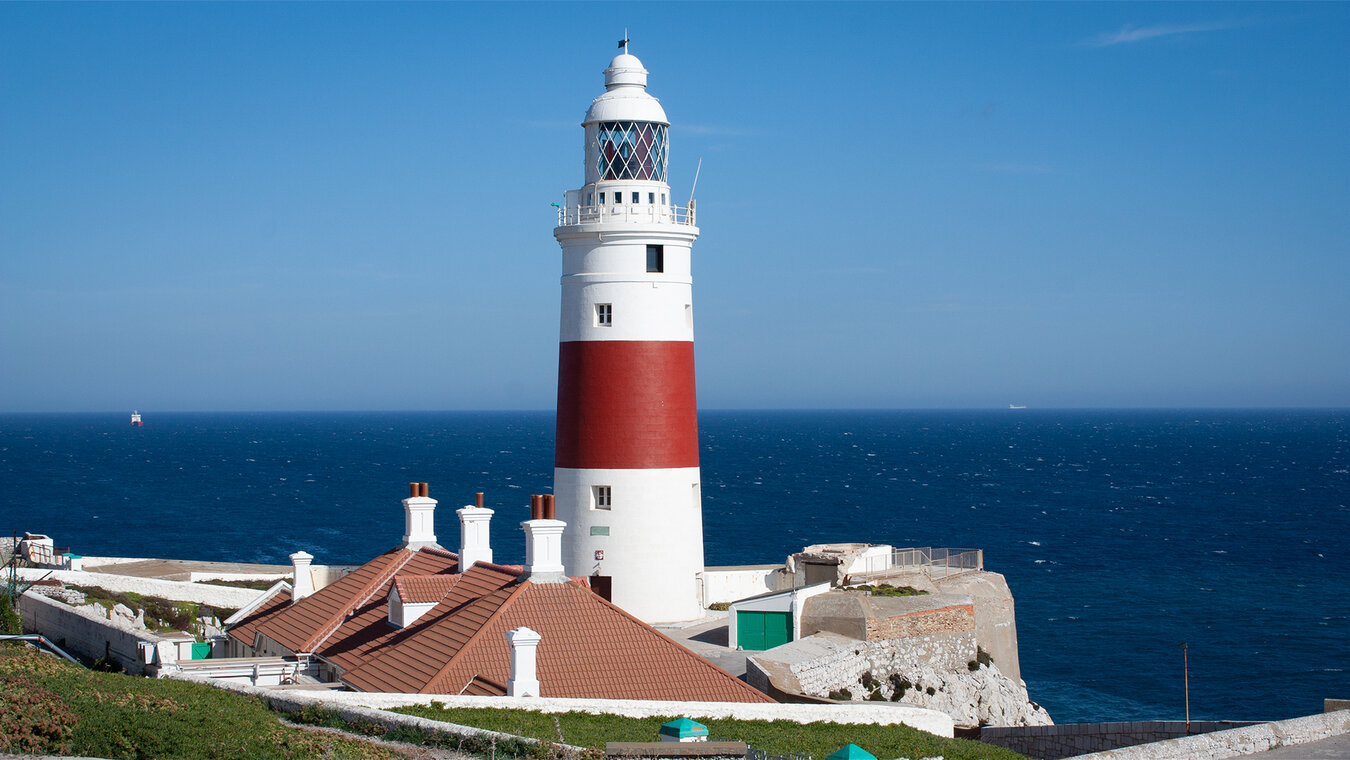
x: 654, y: 550
x: 729, y: 584
x: 884, y: 714
x: 183, y: 591
x: 784, y: 601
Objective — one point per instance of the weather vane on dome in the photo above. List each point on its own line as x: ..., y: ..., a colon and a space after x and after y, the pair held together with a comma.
x: 623, y: 43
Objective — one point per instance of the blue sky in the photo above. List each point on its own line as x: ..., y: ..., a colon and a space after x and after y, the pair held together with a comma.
x: 346, y: 206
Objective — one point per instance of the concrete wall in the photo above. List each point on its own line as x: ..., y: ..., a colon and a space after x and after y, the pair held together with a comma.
x: 826, y: 662
x: 225, y: 597
x: 81, y: 632
x: 1069, y: 740
x: 1235, y: 742
x: 995, y: 618
x: 730, y: 584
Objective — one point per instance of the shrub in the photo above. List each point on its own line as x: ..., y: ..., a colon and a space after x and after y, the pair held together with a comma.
x: 841, y: 695
x: 33, y: 719
x: 720, y: 606
x: 930, y: 691
x: 983, y: 657
x: 899, y: 685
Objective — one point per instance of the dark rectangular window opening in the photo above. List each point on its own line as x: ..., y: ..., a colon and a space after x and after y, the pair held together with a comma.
x: 656, y: 258
x: 651, y: 198
x: 635, y: 198
x: 602, y: 199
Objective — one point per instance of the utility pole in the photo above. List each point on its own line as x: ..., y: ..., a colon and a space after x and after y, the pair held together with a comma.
x: 1186, y: 671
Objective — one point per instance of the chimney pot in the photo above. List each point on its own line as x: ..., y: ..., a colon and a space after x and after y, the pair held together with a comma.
x: 549, y: 514
x: 412, y: 490
x: 478, y: 500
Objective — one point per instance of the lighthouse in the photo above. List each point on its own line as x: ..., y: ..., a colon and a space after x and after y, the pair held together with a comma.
x: 626, y: 473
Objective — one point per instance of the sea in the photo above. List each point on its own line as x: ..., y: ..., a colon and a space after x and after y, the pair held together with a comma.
x: 1149, y: 552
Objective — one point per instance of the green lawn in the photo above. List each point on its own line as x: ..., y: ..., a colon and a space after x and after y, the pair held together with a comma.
x: 777, y: 737
x: 50, y: 706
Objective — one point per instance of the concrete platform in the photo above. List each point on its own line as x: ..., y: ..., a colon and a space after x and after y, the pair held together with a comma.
x: 181, y: 569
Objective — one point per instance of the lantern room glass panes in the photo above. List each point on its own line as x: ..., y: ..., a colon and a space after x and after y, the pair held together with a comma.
x: 632, y: 150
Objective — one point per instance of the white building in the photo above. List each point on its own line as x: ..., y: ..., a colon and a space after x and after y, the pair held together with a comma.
x: 626, y: 474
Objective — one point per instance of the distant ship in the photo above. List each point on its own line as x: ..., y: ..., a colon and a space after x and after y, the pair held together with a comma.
x: 1015, y: 406
x: 136, y: 419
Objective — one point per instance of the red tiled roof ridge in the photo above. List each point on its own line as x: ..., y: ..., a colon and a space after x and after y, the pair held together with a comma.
x: 364, y: 595
x: 468, y: 643
x: 512, y: 569
x: 437, y: 549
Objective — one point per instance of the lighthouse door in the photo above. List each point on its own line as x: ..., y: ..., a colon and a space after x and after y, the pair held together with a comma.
x: 603, y: 586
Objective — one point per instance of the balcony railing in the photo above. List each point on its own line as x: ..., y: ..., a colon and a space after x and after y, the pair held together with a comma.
x: 933, y: 561
x: 632, y: 213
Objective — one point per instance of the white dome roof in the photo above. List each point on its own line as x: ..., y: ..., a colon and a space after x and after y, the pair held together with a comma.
x: 626, y: 97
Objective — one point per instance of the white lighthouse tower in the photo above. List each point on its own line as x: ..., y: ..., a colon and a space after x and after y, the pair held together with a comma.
x: 626, y: 475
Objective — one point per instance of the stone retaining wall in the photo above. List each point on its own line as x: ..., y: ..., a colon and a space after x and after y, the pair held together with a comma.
x: 955, y: 619
x: 844, y: 667
x: 81, y: 633
x: 1235, y: 742
x: 1068, y: 740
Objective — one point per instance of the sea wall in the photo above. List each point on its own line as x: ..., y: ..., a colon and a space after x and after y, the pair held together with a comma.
x: 1236, y: 742
x: 1072, y: 739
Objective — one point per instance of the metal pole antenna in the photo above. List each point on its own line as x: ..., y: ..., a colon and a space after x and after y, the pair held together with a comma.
x: 1186, y: 670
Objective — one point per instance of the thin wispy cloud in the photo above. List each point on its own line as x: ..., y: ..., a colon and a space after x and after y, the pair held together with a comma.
x: 1132, y: 33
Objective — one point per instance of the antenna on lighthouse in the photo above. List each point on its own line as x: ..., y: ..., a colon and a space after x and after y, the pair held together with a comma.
x: 623, y: 43
x: 694, y: 186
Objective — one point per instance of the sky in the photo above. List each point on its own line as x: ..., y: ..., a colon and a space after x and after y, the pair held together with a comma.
x: 266, y: 206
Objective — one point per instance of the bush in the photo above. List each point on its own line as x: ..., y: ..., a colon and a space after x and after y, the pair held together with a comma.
x: 899, y: 685
x: 10, y: 622
x: 720, y: 606
x: 841, y: 695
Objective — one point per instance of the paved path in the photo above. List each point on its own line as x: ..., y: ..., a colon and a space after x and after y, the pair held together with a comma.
x: 182, y: 569
x: 708, y: 639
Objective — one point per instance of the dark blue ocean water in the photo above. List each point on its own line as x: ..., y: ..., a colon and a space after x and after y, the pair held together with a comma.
x: 1123, y: 534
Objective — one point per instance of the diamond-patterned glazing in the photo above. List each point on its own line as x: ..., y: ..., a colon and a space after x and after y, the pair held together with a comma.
x: 633, y: 150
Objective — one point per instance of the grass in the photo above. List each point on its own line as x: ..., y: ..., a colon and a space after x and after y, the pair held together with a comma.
x: 884, y: 590
x: 50, y: 706
x: 777, y: 737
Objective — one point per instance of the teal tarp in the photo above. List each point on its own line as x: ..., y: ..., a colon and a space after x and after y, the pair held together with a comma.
x: 851, y: 752
x: 684, y: 727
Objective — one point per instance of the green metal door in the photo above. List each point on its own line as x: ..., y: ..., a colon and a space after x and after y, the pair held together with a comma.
x: 762, y: 630
x: 201, y: 650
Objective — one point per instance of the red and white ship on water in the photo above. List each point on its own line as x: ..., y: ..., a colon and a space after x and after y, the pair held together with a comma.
x: 626, y: 468
x: 136, y: 419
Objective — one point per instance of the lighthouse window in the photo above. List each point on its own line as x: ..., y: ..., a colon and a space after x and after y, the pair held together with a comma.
x: 602, y: 199
x: 590, y: 199
x: 601, y: 497
x: 604, y: 315
x: 656, y: 258
x: 663, y: 199
x: 618, y: 197
x: 651, y: 198
x: 632, y: 150
x: 635, y: 198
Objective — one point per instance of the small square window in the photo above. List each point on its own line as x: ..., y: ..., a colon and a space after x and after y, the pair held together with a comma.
x: 651, y: 198
x: 635, y: 198
x: 656, y: 258
x: 604, y: 315
x: 602, y: 497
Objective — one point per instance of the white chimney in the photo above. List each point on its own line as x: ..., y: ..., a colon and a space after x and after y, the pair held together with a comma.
x: 302, y: 583
x: 543, y: 542
x: 524, y: 681
x: 419, y: 518
x: 474, y: 545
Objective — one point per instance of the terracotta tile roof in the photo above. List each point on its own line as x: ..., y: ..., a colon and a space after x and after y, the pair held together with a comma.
x: 314, y: 620
x: 244, y: 631
x: 423, y: 589
x: 590, y: 648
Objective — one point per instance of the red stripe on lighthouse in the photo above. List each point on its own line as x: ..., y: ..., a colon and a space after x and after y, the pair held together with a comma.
x: 626, y: 405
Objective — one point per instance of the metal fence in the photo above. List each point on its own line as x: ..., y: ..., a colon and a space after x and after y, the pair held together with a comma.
x: 933, y: 561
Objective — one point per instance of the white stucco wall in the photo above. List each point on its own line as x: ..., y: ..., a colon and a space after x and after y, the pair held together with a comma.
x: 730, y: 584
x: 179, y: 591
